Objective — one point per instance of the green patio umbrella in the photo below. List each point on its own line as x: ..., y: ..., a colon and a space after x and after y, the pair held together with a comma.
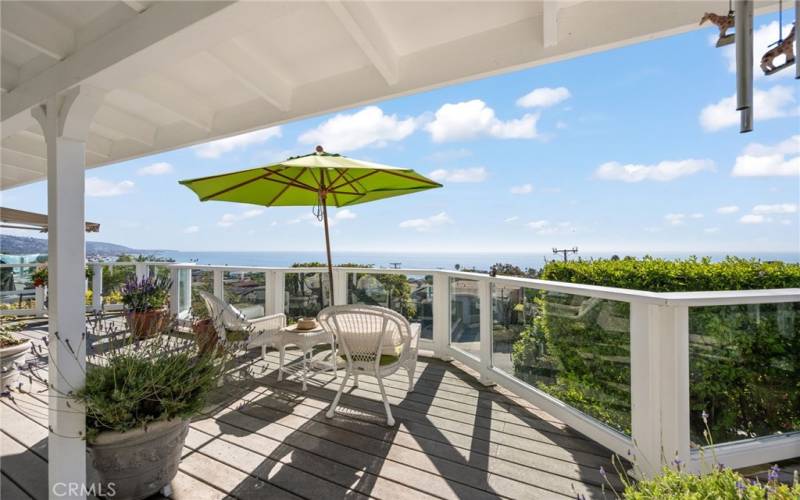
x: 317, y: 180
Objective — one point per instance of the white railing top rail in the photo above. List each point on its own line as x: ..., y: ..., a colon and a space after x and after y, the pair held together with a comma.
x: 691, y: 299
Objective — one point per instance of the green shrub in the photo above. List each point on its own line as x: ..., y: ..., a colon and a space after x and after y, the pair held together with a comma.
x: 721, y: 483
x: 744, y: 360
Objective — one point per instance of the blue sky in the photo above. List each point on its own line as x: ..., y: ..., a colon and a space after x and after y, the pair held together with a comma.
x: 635, y: 149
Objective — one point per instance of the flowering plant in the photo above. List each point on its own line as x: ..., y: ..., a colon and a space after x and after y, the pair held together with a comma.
x: 40, y: 276
x: 146, y: 294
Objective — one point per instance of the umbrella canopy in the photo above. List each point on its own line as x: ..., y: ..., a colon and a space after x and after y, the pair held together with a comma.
x: 316, y: 180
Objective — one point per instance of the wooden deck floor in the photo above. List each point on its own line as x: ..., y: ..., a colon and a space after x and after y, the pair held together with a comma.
x: 261, y: 438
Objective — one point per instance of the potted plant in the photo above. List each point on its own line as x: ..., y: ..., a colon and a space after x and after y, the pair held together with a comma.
x: 12, y: 353
x: 203, y: 326
x: 39, y: 277
x: 139, y: 398
x: 145, y: 304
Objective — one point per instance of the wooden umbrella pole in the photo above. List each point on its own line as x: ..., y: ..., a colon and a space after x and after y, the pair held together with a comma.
x: 328, y: 246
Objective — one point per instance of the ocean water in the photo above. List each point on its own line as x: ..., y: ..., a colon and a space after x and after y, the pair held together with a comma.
x: 411, y: 260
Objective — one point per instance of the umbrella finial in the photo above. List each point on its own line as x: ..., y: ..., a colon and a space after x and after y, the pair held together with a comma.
x: 319, y: 150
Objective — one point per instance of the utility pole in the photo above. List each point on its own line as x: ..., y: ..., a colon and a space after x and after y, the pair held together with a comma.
x: 565, y: 251
x: 395, y: 265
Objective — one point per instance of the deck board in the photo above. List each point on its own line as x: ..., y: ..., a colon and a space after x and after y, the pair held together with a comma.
x: 262, y: 438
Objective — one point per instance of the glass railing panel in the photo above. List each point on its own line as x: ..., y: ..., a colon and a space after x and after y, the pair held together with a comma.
x: 465, y: 324
x: 202, y: 280
x: 16, y: 288
x: 114, y: 278
x: 574, y: 348
x: 305, y: 294
x: 410, y: 295
x: 744, y: 365
x: 246, y: 292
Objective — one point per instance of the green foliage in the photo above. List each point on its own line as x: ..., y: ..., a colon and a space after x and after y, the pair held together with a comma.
x: 7, y: 337
x: 719, y: 483
x: 744, y: 360
x: 140, y: 382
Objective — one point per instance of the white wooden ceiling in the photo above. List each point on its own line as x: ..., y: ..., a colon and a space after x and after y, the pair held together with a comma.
x: 181, y: 73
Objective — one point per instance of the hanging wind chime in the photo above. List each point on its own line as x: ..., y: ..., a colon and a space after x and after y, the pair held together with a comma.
x: 783, y: 47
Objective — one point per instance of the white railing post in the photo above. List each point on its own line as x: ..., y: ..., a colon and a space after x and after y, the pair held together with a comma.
x: 441, y: 316
x: 38, y: 301
x: 277, y: 297
x: 175, y: 291
x: 340, y: 287
x: 485, y: 321
x: 142, y: 271
x: 659, y: 337
x: 187, y: 289
x: 97, y: 287
x: 219, y: 284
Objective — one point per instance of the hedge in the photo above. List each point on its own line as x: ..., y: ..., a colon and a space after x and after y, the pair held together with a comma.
x: 744, y: 360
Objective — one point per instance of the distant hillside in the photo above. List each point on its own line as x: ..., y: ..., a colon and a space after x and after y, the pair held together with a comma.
x: 21, y: 245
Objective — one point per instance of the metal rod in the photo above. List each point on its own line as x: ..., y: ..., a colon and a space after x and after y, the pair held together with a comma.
x: 796, y: 39
x: 328, y: 246
x: 746, y: 121
x: 744, y: 60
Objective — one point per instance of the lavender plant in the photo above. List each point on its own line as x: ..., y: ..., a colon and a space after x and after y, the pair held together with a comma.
x: 146, y: 294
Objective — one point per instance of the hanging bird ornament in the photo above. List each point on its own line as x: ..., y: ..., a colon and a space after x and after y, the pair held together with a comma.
x: 783, y: 47
x: 724, y: 23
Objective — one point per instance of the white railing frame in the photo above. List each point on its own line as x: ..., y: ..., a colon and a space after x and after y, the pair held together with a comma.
x: 659, y: 347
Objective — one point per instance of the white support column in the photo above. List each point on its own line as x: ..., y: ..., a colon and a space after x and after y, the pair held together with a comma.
x: 441, y: 316
x: 186, y: 274
x: 65, y: 121
x: 219, y: 284
x: 485, y: 320
x: 39, y: 301
x: 276, y: 292
x: 340, y: 287
x: 97, y: 287
x: 659, y: 386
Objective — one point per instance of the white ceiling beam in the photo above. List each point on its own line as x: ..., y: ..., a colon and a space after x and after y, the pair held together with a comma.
x: 37, y: 30
x: 550, y: 10
x: 162, y: 34
x: 360, y: 23
x: 248, y: 67
x: 135, y: 5
x: 95, y: 143
x: 120, y: 122
x: 21, y: 160
x: 9, y: 76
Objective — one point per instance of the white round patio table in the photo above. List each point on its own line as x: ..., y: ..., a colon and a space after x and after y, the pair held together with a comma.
x: 305, y: 340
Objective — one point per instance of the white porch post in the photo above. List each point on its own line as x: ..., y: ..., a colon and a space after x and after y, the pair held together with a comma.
x: 142, y: 271
x: 275, y: 292
x: 340, y: 286
x: 441, y: 316
x: 175, y: 290
x: 485, y: 321
x: 39, y: 301
x: 218, y: 286
x: 65, y: 122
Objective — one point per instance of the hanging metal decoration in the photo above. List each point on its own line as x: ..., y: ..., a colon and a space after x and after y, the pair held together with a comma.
x: 783, y: 47
x: 724, y: 23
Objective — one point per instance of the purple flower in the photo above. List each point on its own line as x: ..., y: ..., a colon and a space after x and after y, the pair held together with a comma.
x: 773, y: 473
x: 740, y: 486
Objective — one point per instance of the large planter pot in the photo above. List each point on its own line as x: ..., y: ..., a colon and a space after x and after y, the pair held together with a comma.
x: 145, y: 324
x: 10, y: 358
x: 205, y: 335
x: 138, y: 463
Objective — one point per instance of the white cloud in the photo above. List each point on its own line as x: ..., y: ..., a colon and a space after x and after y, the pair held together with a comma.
x: 99, y: 188
x: 777, y: 102
x: 523, y: 189
x: 662, y: 172
x: 336, y: 217
x: 512, y: 218
x: 230, y: 219
x: 545, y: 227
x: 561, y: 125
x: 427, y: 223
x: 758, y: 160
x: 675, y: 219
x: 344, y: 214
x: 366, y: 127
x: 763, y: 36
x: 728, y: 209
x: 477, y: 174
x: 191, y: 229
x: 696, y: 216
x: 544, y: 97
x: 752, y: 219
x: 538, y: 224
x: 215, y: 149
x: 779, y: 208
x: 711, y: 230
x: 159, y: 168
x: 471, y: 119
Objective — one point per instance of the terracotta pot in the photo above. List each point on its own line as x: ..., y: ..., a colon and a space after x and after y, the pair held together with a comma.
x: 206, y: 335
x: 138, y: 463
x: 10, y: 358
x: 144, y: 324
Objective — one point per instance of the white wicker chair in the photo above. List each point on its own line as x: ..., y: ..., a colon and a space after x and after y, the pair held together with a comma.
x: 227, y: 318
x: 374, y: 341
